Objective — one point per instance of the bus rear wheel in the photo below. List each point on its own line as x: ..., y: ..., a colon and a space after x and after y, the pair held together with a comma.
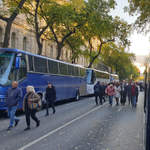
x: 77, y: 95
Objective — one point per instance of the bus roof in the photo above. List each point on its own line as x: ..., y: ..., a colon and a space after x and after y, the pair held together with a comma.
x: 97, y: 70
x: 114, y: 75
x: 24, y: 52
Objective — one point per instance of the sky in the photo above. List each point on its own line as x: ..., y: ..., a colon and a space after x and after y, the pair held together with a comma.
x: 140, y: 43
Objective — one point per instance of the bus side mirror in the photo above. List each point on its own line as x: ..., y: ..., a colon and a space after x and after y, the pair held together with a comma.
x: 18, y: 61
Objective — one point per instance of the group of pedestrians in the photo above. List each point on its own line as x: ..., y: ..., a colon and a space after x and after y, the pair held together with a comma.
x: 14, y: 95
x: 119, y: 90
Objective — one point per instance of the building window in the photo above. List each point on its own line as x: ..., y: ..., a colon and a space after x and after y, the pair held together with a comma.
x: 51, y: 51
x: 13, y: 39
x: 0, y: 34
x: 24, y: 43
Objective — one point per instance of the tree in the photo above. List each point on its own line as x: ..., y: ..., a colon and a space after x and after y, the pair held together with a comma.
x: 64, y: 21
x: 74, y: 44
x: 104, y: 28
x: 119, y: 60
x: 141, y: 9
x: 34, y: 11
x: 11, y: 13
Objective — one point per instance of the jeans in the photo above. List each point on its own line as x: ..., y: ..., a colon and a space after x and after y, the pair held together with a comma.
x: 110, y: 99
x: 11, y: 113
x: 51, y: 104
x: 133, y: 99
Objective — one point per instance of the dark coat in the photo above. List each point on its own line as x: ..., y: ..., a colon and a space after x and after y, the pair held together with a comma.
x: 99, y: 87
x: 50, y: 94
x: 129, y: 90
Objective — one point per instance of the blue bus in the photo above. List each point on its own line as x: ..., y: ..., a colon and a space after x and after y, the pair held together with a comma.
x: 36, y: 70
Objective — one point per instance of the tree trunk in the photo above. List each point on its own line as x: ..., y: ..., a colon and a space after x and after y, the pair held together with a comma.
x: 59, y: 51
x: 40, y: 45
x: 7, y: 34
x: 9, y: 23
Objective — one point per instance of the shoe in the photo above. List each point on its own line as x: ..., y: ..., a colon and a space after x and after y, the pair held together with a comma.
x: 46, y: 114
x: 9, y: 128
x: 27, y: 128
x: 38, y: 123
x: 53, y: 112
x: 16, y: 122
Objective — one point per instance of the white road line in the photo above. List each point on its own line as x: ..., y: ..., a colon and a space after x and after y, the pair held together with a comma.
x: 119, y: 109
x: 48, y: 134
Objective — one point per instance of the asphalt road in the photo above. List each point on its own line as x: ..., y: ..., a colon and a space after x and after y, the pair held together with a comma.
x: 79, y: 125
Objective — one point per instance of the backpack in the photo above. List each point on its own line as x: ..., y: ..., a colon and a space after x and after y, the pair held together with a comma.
x: 97, y: 89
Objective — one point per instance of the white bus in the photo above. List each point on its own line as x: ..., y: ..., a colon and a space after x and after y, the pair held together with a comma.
x: 93, y: 76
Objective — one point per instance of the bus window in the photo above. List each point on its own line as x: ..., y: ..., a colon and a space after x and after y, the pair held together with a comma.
x: 30, y: 60
x: 40, y: 65
x: 76, y: 71
x: 53, y: 67
x: 22, y: 70
x: 82, y: 72
x: 71, y: 70
x: 63, y: 69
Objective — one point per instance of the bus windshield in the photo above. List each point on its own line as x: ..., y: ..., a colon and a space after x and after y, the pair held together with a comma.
x: 88, y: 75
x: 6, y: 61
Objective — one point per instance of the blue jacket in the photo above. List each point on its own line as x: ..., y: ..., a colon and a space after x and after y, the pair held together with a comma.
x: 12, y: 97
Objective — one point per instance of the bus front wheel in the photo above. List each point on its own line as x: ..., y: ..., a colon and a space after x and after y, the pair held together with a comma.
x: 77, y: 95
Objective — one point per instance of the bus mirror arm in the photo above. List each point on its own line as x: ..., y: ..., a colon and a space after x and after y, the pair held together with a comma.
x: 18, y: 61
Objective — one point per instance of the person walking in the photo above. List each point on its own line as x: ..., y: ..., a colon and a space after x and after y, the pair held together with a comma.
x: 103, y: 92
x: 134, y: 91
x: 50, y: 97
x: 12, y: 97
x: 123, y: 93
x: 110, y: 91
x: 98, y: 92
x: 31, y: 96
x: 117, y: 92
x: 129, y: 93
x: 138, y: 87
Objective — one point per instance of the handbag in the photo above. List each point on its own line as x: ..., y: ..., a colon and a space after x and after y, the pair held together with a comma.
x: 33, y: 105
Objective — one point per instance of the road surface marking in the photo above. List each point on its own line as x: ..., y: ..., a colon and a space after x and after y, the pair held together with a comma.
x: 48, y: 134
x: 119, y: 109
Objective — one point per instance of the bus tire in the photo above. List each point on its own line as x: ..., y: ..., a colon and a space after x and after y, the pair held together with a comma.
x: 77, y: 95
x: 40, y: 108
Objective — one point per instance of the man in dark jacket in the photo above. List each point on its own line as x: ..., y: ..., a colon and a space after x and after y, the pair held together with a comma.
x: 50, y: 97
x: 12, y: 97
x: 129, y: 93
x: 98, y: 92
